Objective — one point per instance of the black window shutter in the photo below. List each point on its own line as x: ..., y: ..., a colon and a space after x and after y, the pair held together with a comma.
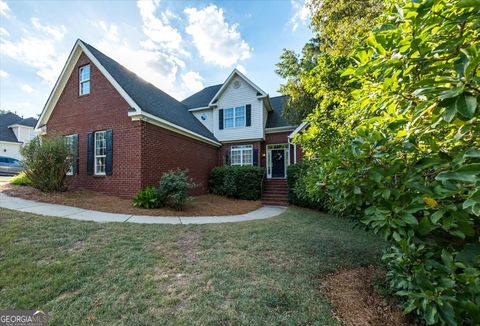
x: 249, y: 115
x: 227, y: 159
x: 90, y: 149
x: 75, y: 154
x: 109, y: 153
x: 255, y: 157
x: 220, y: 119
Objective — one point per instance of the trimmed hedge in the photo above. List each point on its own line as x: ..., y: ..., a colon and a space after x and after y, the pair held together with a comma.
x: 241, y: 182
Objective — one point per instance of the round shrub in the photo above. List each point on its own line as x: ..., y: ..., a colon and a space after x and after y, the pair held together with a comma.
x: 46, y: 163
x: 147, y: 198
x: 173, y: 188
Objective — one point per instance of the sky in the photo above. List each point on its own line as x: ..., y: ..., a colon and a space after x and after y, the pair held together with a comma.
x: 179, y: 46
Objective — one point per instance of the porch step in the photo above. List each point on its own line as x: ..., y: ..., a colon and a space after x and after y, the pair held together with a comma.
x: 275, y: 192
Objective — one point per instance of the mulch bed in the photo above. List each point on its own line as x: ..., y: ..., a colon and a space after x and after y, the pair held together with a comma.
x: 356, y: 302
x: 205, y: 205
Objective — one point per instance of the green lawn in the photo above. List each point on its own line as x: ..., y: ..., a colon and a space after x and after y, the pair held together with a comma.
x: 262, y: 272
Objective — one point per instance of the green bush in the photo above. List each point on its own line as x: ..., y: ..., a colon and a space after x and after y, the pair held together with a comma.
x: 46, y: 163
x: 297, y: 186
x: 241, y: 182
x: 21, y: 179
x: 147, y: 198
x: 173, y: 188
x: 405, y: 155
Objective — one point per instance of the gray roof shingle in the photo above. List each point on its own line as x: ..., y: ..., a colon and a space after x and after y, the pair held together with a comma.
x: 151, y: 99
x: 202, y: 98
x: 8, y: 119
x: 29, y: 122
x: 275, y: 119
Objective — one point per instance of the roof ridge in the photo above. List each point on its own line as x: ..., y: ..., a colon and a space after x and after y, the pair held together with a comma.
x: 149, y: 98
x: 134, y: 73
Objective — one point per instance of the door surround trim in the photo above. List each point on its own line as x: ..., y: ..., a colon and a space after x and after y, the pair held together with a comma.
x: 269, y: 148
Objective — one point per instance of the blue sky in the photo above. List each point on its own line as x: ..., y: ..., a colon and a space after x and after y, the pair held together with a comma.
x: 179, y: 46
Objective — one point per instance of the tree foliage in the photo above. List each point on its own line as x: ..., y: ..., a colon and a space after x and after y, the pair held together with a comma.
x: 404, y: 157
x: 314, y: 76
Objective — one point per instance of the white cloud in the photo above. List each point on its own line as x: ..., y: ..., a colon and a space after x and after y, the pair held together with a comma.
x: 193, y: 81
x: 158, y: 30
x: 301, y: 14
x: 146, y: 60
x: 27, y: 88
x: 57, y: 32
x: 4, y: 8
x: 217, y: 41
x: 38, y: 53
x: 4, y: 32
x: 3, y: 74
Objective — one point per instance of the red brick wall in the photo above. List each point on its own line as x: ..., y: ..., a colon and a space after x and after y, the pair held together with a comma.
x: 102, y: 109
x: 164, y: 150
x: 141, y: 151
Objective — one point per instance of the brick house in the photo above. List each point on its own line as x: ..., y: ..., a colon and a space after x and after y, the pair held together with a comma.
x: 126, y: 132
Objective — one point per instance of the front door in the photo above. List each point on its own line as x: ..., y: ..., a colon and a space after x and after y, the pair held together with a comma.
x: 278, y: 163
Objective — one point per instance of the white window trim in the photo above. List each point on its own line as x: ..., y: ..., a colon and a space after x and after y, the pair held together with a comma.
x: 70, y: 170
x: 81, y: 82
x: 286, y: 151
x: 95, y: 152
x: 241, y: 149
x: 235, y: 117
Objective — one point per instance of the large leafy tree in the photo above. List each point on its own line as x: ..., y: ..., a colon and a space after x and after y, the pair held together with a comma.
x: 313, y: 77
x: 406, y: 158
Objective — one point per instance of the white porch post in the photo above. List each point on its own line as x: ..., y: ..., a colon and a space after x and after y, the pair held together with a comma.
x: 295, y: 153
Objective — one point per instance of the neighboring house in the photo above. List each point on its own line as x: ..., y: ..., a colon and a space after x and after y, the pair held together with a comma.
x: 127, y: 133
x: 14, y: 132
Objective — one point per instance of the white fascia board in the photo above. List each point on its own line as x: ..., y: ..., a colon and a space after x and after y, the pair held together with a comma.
x: 11, y: 142
x: 238, y: 141
x: 233, y: 73
x: 200, y: 108
x: 301, y: 127
x: 278, y: 129
x: 150, y: 118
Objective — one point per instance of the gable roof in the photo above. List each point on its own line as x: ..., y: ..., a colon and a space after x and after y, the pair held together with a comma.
x: 202, y: 98
x: 236, y: 72
x: 8, y: 119
x: 145, y: 99
x: 275, y: 118
x: 151, y: 99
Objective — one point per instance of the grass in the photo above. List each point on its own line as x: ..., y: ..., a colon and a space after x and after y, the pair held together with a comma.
x: 262, y: 272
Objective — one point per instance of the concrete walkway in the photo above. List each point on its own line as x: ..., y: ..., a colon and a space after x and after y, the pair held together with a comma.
x: 76, y: 213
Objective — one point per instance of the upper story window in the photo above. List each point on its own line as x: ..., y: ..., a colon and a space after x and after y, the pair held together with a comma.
x: 84, y: 80
x: 234, y: 117
x: 100, y: 152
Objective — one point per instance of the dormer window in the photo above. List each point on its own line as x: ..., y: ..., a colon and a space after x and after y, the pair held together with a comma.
x: 84, y: 80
